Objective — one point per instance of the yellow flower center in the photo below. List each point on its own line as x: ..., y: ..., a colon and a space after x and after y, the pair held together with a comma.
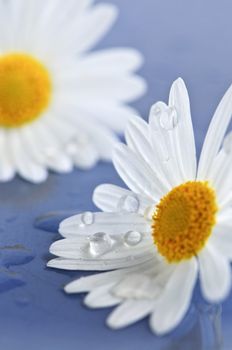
x: 183, y: 220
x: 25, y: 89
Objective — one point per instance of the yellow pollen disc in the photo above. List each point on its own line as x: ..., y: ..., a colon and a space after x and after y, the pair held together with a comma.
x: 183, y: 220
x: 25, y: 89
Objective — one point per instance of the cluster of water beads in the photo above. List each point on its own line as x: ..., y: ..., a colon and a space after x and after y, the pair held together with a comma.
x: 101, y: 243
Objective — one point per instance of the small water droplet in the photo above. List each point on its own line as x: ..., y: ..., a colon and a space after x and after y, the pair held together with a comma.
x: 149, y: 212
x: 129, y: 203
x: 87, y: 218
x: 99, y: 244
x: 132, y: 238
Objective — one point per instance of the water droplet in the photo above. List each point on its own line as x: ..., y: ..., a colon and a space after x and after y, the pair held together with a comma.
x: 149, y: 212
x: 87, y: 218
x: 129, y: 203
x: 163, y: 116
x: 169, y: 119
x: 132, y: 238
x: 99, y: 244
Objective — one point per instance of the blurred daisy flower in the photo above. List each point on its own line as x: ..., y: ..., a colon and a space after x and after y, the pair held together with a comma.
x: 59, y: 105
x: 171, y: 226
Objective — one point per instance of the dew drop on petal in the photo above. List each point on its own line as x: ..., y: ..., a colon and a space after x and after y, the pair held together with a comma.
x: 99, y: 244
x: 132, y: 238
x: 163, y: 116
x: 129, y: 203
x: 87, y: 218
x: 169, y: 118
x: 148, y: 212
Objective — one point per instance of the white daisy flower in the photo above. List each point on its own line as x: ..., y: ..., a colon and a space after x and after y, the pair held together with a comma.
x: 59, y: 105
x: 172, y: 225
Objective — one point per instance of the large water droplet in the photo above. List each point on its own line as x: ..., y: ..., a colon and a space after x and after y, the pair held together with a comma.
x: 169, y: 118
x: 99, y: 244
x: 87, y: 218
x: 129, y: 203
x: 132, y: 238
x: 163, y: 116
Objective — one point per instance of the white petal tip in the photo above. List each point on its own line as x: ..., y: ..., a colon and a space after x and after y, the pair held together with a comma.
x: 50, y: 263
x: 54, y: 264
x: 112, y: 324
x: 69, y: 288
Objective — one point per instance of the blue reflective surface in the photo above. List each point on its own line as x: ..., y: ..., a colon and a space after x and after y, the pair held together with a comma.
x: 191, y: 39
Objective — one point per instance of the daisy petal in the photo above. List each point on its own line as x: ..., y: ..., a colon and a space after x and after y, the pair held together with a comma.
x: 97, y: 265
x: 183, y: 133
x: 94, y: 25
x: 73, y: 248
x: 113, y: 60
x: 101, y: 297
x: 215, y: 134
x: 111, y: 223
x: 129, y: 312
x: 88, y: 283
x: 7, y: 169
x: 221, y: 239
x: 26, y: 167
x: 174, y: 302
x: 111, y: 114
x: 60, y: 163
x: 138, y: 176
x: 215, y: 274
x: 85, y: 156
x: 124, y: 88
x: 110, y: 198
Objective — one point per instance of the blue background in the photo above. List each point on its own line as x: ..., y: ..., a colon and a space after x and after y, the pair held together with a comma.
x: 191, y: 39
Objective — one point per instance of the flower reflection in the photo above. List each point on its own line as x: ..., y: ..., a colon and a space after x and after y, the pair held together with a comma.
x: 201, y: 329
x: 12, y: 256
